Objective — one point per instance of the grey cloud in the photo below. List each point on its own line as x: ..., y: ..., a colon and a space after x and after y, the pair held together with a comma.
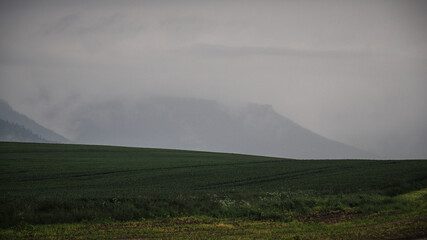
x: 231, y: 51
x: 75, y: 24
x: 351, y: 71
x: 64, y: 24
x: 188, y: 23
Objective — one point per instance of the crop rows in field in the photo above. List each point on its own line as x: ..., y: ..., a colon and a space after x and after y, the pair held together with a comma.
x: 95, y: 171
x: 59, y: 183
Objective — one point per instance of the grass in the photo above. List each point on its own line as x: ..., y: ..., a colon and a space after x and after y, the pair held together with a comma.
x: 399, y: 226
x: 117, y: 192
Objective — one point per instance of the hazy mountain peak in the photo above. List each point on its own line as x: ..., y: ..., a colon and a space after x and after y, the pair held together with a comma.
x: 12, y: 132
x: 9, y: 115
x: 4, y: 105
x: 197, y: 124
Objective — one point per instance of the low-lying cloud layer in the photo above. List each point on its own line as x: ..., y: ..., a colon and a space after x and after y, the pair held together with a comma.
x: 351, y: 71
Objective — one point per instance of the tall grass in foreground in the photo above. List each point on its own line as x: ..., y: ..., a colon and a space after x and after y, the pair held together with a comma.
x: 62, y: 183
x: 276, y: 206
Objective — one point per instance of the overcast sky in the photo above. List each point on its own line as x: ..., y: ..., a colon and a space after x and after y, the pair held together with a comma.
x: 353, y: 71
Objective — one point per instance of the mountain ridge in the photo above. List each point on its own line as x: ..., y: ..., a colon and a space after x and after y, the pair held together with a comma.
x: 8, y: 114
x: 192, y: 124
x: 12, y: 132
x: 205, y: 125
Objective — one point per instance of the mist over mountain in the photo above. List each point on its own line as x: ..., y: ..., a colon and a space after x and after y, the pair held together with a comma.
x: 18, y: 127
x: 195, y: 124
x: 351, y: 71
x: 12, y: 132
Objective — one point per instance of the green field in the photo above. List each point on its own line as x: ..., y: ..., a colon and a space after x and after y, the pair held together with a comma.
x: 52, y: 190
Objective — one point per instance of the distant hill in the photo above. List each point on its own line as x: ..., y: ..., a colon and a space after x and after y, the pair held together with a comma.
x: 195, y: 124
x: 13, y: 117
x: 12, y: 132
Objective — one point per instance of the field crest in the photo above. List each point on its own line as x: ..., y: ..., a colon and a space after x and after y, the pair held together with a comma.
x: 105, y: 192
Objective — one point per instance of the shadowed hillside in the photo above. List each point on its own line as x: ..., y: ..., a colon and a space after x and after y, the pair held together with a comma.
x: 11, y: 116
x: 11, y: 132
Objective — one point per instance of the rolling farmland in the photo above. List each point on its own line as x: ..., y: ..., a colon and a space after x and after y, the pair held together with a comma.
x: 62, y: 183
